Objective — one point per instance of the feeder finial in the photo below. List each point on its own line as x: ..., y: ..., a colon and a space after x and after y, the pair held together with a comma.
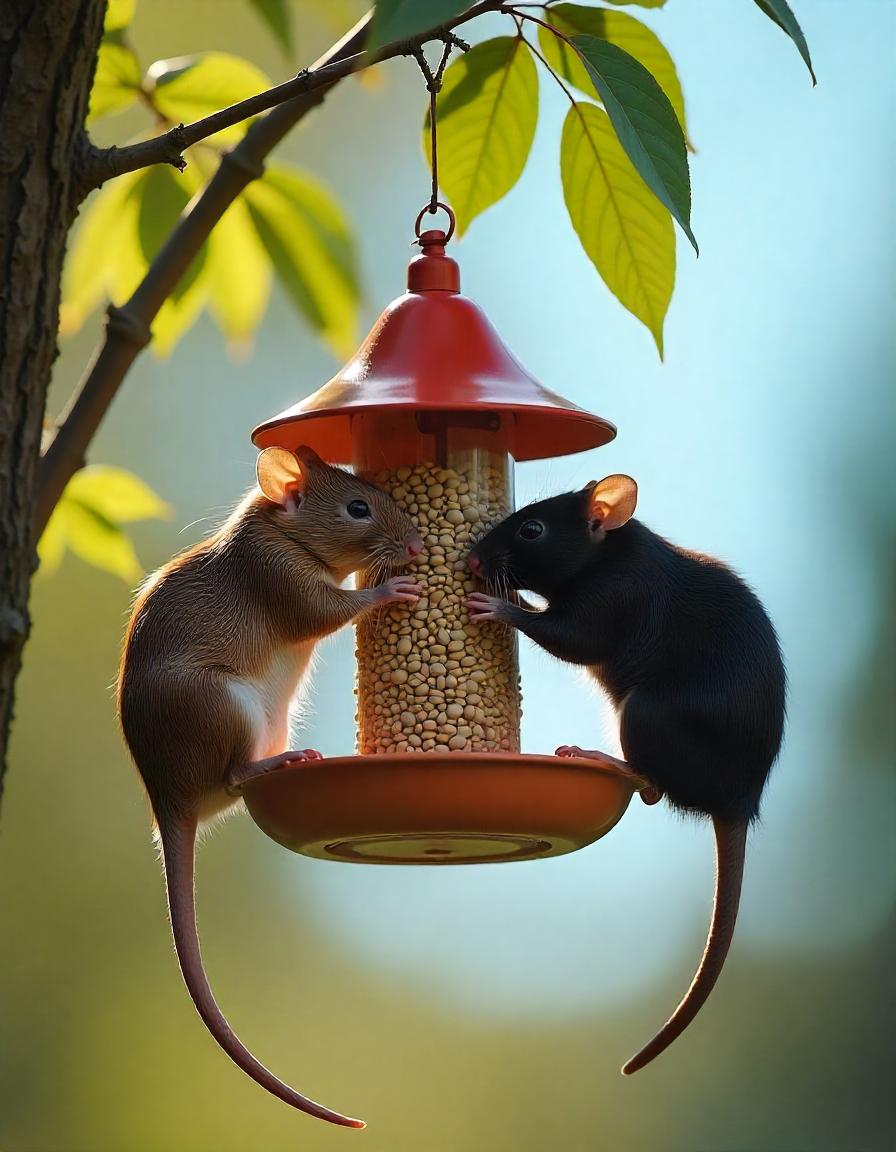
x: 432, y: 270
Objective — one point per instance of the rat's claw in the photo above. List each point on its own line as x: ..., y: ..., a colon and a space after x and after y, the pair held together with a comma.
x: 483, y: 607
x: 297, y: 756
x: 570, y: 750
x: 401, y: 589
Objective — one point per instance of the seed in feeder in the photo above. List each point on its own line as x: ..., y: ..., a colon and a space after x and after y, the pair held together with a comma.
x: 398, y: 676
x: 435, y: 645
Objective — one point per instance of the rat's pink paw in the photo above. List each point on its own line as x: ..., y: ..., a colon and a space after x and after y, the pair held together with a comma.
x: 299, y: 756
x: 400, y: 589
x: 483, y: 607
x: 570, y: 750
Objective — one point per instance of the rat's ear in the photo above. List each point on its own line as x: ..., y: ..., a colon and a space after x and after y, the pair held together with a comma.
x: 279, y: 475
x: 611, y: 501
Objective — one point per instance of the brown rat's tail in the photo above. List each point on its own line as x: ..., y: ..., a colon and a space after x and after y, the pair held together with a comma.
x: 731, y: 844
x: 178, y: 839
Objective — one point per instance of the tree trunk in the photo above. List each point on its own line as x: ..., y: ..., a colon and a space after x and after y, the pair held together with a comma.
x: 47, y: 59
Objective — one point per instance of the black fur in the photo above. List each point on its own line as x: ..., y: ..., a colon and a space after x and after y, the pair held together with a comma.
x: 680, y: 643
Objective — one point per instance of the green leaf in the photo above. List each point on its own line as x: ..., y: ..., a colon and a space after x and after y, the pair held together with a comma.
x: 645, y: 122
x: 275, y: 14
x: 190, y: 87
x: 402, y: 19
x: 781, y: 13
x: 640, y: 3
x: 239, y: 276
x: 307, y: 236
x: 116, y: 494
x: 87, y: 520
x: 618, y: 28
x: 117, y: 79
x: 119, y: 14
x: 627, y: 234
x: 487, y: 111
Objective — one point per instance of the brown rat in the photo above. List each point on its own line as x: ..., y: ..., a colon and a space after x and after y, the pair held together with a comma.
x: 686, y: 653
x: 216, y: 648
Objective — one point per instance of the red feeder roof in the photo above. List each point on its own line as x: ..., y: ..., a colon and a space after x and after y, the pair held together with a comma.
x: 434, y: 350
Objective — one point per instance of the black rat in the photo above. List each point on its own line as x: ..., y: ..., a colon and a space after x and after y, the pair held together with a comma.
x: 218, y: 643
x: 686, y: 653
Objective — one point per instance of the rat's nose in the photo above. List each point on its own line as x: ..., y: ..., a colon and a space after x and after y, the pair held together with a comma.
x: 474, y: 563
x: 414, y: 547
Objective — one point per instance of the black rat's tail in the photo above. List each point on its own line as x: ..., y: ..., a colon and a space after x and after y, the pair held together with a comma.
x: 178, y: 838
x: 731, y: 844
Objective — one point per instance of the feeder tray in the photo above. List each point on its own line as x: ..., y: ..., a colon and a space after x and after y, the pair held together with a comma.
x: 440, y: 808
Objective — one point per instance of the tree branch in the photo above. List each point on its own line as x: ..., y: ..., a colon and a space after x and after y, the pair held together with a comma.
x: 128, y: 327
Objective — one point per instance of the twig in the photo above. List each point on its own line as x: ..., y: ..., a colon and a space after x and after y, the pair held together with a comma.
x: 128, y: 326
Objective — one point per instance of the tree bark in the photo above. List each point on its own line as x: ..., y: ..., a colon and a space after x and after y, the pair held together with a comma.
x: 47, y: 60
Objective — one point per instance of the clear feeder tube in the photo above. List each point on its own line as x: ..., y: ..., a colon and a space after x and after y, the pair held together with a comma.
x: 429, y: 680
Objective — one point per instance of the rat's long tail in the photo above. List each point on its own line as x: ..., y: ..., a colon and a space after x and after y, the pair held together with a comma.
x: 178, y: 839
x: 731, y: 844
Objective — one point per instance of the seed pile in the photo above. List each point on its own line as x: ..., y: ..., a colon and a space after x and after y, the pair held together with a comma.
x: 428, y: 679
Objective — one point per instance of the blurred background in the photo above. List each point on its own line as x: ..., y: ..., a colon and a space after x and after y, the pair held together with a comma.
x: 490, y: 1008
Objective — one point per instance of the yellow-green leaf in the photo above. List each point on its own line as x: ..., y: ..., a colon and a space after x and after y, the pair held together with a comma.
x: 307, y: 236
x: 164, y: 194
x: 51, y: 546
x: 87, y: 521
x: 620, y: 29
x: 117, y: 494
x: 190, y: 87
x: 487, y: 111
x: 238, y: 274
x: 117, y: 79
x: 99, y: 542
x: 625, y: 231
x: 102, y: 240
x: 120, y: 234
x: 119, y: 14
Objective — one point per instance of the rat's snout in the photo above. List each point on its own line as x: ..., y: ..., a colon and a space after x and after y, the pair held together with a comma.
x: 474, y: 564
x: 413, y: 548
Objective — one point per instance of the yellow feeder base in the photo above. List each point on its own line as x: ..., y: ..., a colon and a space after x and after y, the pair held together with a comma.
x: 440, y: 808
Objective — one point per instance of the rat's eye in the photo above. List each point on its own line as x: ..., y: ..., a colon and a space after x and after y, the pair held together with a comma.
x: 358, y: 509
x: 530, y: 530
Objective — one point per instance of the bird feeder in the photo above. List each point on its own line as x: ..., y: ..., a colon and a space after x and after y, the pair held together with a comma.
x: 434, y: 409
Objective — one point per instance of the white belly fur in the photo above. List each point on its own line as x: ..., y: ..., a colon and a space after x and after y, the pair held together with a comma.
x: 268, y: 700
